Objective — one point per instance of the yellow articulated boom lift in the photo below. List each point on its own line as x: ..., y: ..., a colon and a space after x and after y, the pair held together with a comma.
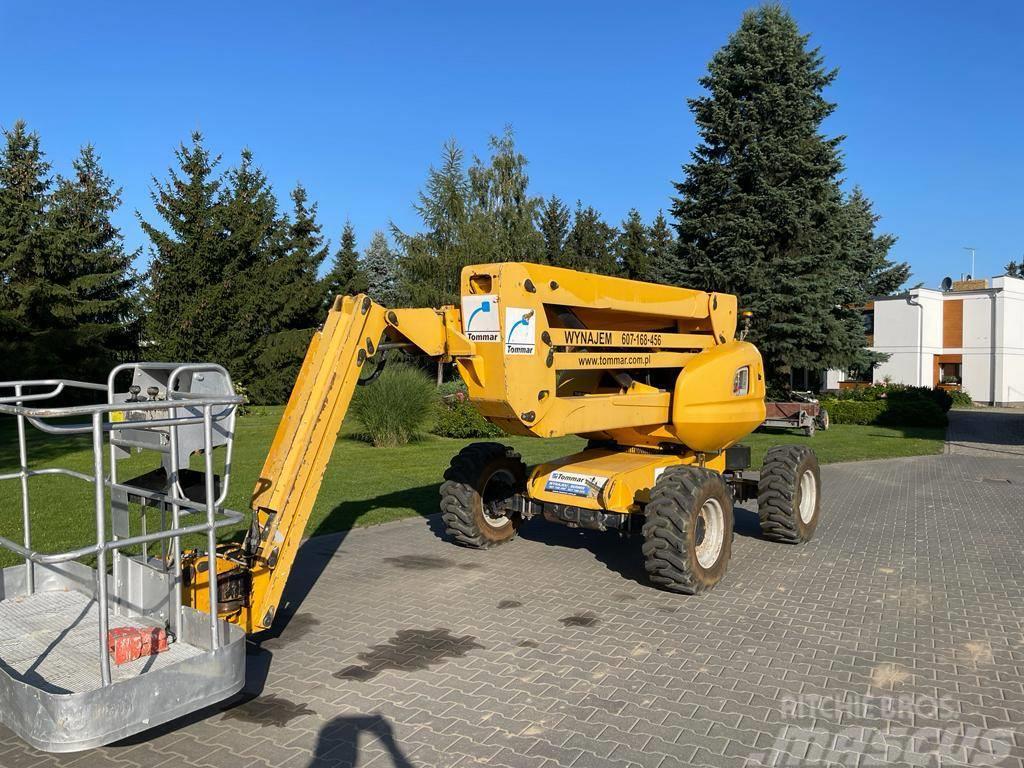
x: 652, y: 376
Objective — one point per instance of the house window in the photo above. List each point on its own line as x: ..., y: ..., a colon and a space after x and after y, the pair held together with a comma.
x: 860, y: 375
x: 950, y: 373
x: 867, y: 317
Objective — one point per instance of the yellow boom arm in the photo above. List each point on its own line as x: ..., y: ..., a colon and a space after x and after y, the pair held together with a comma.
x: 290, y: 481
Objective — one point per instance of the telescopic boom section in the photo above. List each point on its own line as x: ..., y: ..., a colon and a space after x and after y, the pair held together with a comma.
x: 290, y: 481
x: 293, y: 471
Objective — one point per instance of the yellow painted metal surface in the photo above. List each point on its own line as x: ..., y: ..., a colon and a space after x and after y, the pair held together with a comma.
x: 617, y: 481
x: 547, y: 325
x: 707, y: 414
x: 288, y: 485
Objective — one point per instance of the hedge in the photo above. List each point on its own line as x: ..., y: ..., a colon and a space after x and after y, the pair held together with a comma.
x: 854, y: 411
x: 893, y: 405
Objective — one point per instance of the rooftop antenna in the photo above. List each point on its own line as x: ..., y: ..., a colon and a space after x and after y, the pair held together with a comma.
x: 972, y: 249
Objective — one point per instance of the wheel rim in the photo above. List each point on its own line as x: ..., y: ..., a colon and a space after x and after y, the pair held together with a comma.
x: 709, y: 534
x: 808, y: 496
x: 499, y: 487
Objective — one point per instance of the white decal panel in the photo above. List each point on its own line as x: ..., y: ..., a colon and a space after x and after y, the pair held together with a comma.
x: 520, y: 331
x: 575, y: 484
x: 480, y: 320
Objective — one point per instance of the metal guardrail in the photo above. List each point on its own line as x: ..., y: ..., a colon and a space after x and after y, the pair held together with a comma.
x: 98, y: 421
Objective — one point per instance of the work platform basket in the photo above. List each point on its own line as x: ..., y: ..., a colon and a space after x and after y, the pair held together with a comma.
x: 61, y: 687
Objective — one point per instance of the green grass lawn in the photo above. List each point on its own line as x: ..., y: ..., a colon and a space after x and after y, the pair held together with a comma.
x: 363, y: 485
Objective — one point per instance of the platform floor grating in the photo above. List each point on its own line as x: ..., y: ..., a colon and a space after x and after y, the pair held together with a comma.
x: 51, y: 640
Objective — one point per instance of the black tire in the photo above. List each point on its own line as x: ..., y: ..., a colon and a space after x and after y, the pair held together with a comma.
x: 823, y: 420
x: 480, y: 477
x: 781, y: 492
x: 675, y: 528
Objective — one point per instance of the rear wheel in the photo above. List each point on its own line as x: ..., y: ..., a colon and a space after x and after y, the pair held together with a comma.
x: 789, y: 494
x: 688, y: 530
x: 476, y: 495
x: 823, y: 420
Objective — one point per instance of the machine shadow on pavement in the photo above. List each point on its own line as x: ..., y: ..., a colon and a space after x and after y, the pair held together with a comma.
x: 338, y: 743
x: 423, y: 500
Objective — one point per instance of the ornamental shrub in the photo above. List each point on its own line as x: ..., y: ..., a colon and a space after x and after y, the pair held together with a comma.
x: 457, y: 417
x: 961, y: 399
x: 399, y: 406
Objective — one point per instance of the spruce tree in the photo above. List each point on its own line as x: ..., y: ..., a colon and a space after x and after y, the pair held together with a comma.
x: 866, y: 253
x: 95, y: 307
x: 662, y: 254
x: 25, y: 293
x: 632, y: 247
x: 293, y: 296
x: 295, y: 273
x: 432, y: 260
x: 760, y: 212
x: 241, y: 305
x: 186, y: 257
x: 381, y: 267
x: 346, y: 276
x: 590, y: 244
x: 553, y: 222
x: 501, y: 206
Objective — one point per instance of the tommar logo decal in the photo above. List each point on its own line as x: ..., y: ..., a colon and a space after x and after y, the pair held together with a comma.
x: 520, y: 331
x: 485, y: 306
x: 480, y: 318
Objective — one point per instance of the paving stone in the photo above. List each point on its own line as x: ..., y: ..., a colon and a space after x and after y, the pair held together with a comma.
x: 913, y: 589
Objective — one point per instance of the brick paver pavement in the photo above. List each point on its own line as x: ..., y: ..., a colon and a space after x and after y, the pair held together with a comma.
x: 895, y: 638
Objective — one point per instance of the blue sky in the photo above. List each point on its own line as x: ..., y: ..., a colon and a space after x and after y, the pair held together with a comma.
x: 355, y: 101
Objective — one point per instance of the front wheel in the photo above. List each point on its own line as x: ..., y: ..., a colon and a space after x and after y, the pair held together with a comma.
x: 476, y: 495
x: 789, y: 494
x: 688, y: 530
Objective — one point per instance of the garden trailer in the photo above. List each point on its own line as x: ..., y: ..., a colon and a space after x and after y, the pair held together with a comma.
x: 652, y: 376
x: 802, y: 411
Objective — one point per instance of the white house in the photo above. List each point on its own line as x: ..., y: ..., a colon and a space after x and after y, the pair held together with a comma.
x: 971, y: 335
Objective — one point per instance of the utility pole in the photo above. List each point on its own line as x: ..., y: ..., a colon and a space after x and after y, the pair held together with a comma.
x: 972, y: 249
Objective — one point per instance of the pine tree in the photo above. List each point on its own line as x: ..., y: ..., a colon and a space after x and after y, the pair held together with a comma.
x: 760, y: 212
x: 381, y: 269
x: 553, y: 222
x: 1015, y: 269
x: 95, y: 308
x: 346, y: 276
x: 186, y: 258
x: 632, y: 247
x: 662, y: 255
x: 590, y: 244
x: 501, y: 206
x: 25, y: 293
